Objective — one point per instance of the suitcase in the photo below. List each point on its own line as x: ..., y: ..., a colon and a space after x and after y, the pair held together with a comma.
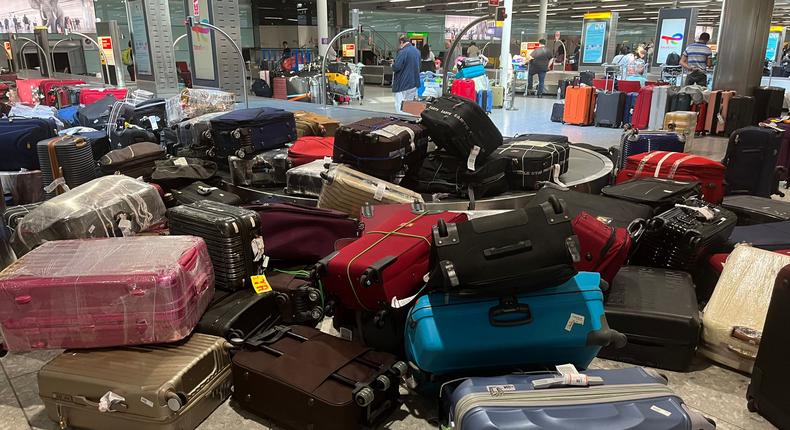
x: 766, y: 394
x: 136, y: 160
x: 231, y: 234
x: 198, y: 191
x: 628, y: 107
x: 679, y: 167
x: 22, y: 186
x: 679, y: 237
x: 603, y: 248
x: 110, y: 206
x: 702, y: 115
x: 556, y: 325
x: 470, y: 72
x: 18, y: 139
x: 658, y: 106
x: 679, y: 102
x: 246, y: 132
x: 66, y: 162
x: 783, y: 160
x: 96, y: 114
x: 579, y: 106
x: 89, y: 96
x: 267, y: 169
x: 586, y: 77
x: 768, y: 103
x: 28, y: 91
x: 538, y: 137
x: 610, y: 211
x: 149, y: 114
x: 534, y: 162
x: 306, y: 180
x: 485, y: 98
x: 752, y: 210
x: 609, y: 109
x: 13, y: 215
x: 310, y: 148
x: 772, y: 236
x: 657, y: 311
x: 380, y: 147
x: 740, y: 112
x: 313, y: 124
x: 751, y: 161
x: 462, y: 128
x: 237, y: 315
x: 177, y: 172
x: 383, y: 265
x: 734, y: 317
x: 170, y: 387
x: 714, y: 107
x: 196, y: 132
x: 277, y: 375
x: 635, y: 141
x: 659, y: 194
x: 641, y: 117
x: 557, y: 112
x: 298, y: 299
x: 682, y: 122
x: 500, y: 253
x: 77, y: 293
x: 464, y: 88
x: 498, y: 99
x: 48, y: 90
x: 442, y: 173
x: 69, y: 116
x: 720, y: 119
x: 562, y: 87
x: 632, y: 397
x: 347, y: 190
x: 123, y: 137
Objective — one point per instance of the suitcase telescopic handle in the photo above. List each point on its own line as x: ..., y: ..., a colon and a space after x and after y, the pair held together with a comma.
x: 509, y: 313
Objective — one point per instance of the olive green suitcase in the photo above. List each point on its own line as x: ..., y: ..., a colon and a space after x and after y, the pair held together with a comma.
x: 499, y: 96
x: 162, y: 387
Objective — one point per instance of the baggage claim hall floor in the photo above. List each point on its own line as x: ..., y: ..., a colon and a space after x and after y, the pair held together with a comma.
x: 717, y: 392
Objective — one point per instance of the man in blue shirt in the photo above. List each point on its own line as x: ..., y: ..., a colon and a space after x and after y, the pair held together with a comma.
x: 406, y: 73
x: 696, y: 59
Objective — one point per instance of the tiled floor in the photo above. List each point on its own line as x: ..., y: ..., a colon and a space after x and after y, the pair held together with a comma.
x: 718, y: 393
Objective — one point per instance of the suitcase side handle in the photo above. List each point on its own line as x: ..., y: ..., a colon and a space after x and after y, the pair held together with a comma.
x: 504, y: 251
x: 508, y: 308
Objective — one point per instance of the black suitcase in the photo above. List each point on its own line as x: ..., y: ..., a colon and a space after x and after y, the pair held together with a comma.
x: 509, y: 253
x: 442, y: 173
x: 99, y: 141
x: 677, y: 238
x: 462, y: 128
x: 538, y: 137
x: 96, y: 115
x: 614, y: 212
x: 740, y: 112
x: 381, y: 330
x: 586, y: 77
x: 18, y: 139
x: 757, y: 210
x: 533, y: 162
x: 657, y: 310
x: 235, y: 316
x: 246, y: 132
x: 768, y: 103
x: 660, y: 194
x: 562, y: 87
x: 557, y: 112
x: 199, y: 190
x: 679, y: 102
x: 299, y: 300
x: 609, y: 109
x: 773, y: 236
x: 751, y: 161
x: 150, y: 115
x: 267, y: 169
x: 232, y: 235
x: 767, y: 392
x: 66, y: 157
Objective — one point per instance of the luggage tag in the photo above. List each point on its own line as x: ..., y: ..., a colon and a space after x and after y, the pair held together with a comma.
x: 60, y: 182
x: 470, y: 162
x: 569, y: 377
x: 705, y: 212
x: 154, y: 120
x: 260, y: 284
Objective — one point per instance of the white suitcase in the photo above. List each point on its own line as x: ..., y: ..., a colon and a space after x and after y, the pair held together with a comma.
x: 658, y: 106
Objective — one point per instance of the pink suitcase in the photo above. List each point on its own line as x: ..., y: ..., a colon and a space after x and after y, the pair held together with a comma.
x: 91, y: 95
x: 105, y: 292
x: 28, y: 91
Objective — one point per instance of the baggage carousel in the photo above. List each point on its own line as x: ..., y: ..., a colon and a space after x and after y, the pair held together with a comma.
x: 589, y: 171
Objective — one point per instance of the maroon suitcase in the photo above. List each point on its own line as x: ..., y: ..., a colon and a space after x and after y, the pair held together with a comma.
x: 604, y: 249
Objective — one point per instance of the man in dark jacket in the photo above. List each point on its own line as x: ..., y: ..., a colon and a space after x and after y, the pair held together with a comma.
x: 406, y: 73
x: 542, y: 59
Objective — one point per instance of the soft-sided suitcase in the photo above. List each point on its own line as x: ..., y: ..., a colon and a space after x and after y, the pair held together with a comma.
x: 768, y: 103
x: 163, y: 387
x: 752, y: 210
x: 239, y: 314
x: 22, y: 186
x: 89, y: 96
x: 347, y: 190
x: 310, y: 148
x: 683, y: 122
x: 534, y: 162
x: 641, y: 115
x: 313, y: 124
x: 739, y: 114
x: 679, y: 102
x: 78, y: 294
x: 628, y: 398
x: 462, y: 128
x: 97, y: 114
x: 603, y: 248
x: 198, y: 191
x: 464, y: 88
x: 613, y: 212
x: 751, y: 161
x: 246, y: 132
x: 659, y: 194
x: 609, y: 109
x: 299, y: 300
x: 18, y: 139
x: 579, y: 106
x: 656, y: 309
x: 498, y: 101
x: 556, y: 325
x: 628, y: 107
x: 267, y: 169
x: 306, y: 180
x: 485, y: 98
x: 67, y: 160
x: 386, y: 264
x: 783, y: 160
x: 302, y: 378
x: 515, y: 251
x: 470, y: 72
x: 442, y: 173
x: 557, y: 112
x: 138, y: 159
x: 679, y: 237
x: 766, y: 394
x: 772, y: 236
x: 734, y: 317
x: 635, y: 141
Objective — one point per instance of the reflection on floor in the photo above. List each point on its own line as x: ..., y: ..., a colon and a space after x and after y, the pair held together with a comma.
x: 717, y: 392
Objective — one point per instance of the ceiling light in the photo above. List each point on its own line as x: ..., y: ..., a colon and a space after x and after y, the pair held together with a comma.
x: 397, y: 1
x: 415, y: 7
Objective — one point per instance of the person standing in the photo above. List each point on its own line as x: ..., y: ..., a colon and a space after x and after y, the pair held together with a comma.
x: 127, y: 58
x: 473, y: 51
x: 540, y: 63
x: 406, y: 73
x: 286, y: 50
x: 696, y: 59
x: 427, y: 59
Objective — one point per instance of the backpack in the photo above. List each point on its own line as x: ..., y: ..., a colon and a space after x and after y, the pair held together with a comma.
x: 261, y: 89
x: 126, y: 57
x: 673, y: 59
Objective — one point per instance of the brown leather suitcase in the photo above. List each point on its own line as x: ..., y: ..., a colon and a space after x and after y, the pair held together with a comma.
x: 157, y: 387
x: 313, y: 124
x: 305, y: 379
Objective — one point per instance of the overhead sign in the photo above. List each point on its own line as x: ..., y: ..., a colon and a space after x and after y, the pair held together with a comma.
x: 527, y: 48
x: 196, y: 7
x: 597, y: 15
x: 414, y: 35
x: 493, y: 3
x: 105, y: 42
x: 349, y: 50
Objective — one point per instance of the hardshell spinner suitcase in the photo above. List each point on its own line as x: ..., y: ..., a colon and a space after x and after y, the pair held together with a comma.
x: 523, y: 331
x: 579, y: 106
x: 610, y: 211
x: 752, y: 210
x: 557, y: 112
x: 77, y: 293
x: 232, y: 235
x: 702, y: 115
x: 302, y: 378
x: 67, y: 160
x: 498, y: 101
x: 740, y: 112
x: 306, y: 180
x: 347, y: 190
x: 18, y: 139
x: 246, y: 132
x: 721, y: 117
x: 768, y: 103
x: 635, y: 142
x: 683, y: 122
x: 313, y: 124
x: 656, y: 309
x: 629, y: 398
x: 239, y: 314
x: 751, y: 161
x: 534, y: 162
x: 714, y: 107
x: 49, y: 91
x: 628, y: 107
x: 659, y: 194
x: 28, y: 91
x: 772, y: 236
x: 163, y: 387
x: 641, y: 115
x: 462, y: 128
x: 311, y: 148
x: 609, y: 109
x: 603, y: 248
x: 734, y: 317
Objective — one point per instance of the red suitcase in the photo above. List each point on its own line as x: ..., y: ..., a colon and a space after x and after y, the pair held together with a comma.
x: 28, y: 90
x: 641, y: 117
x: 604, y: 249
x: 465, y: 88
x: 629, y: 86
x: 310, y: 148
x: 680, y: 167
x: 49, y: 90
x: 105, y: 292
x: 702, y: 114
x: 92, y: 95
x: 386, y: 263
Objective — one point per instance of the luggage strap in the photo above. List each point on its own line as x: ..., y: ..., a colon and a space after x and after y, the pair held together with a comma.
x: 676, y: 165
x: 644, y: 161
x: 660, y: 163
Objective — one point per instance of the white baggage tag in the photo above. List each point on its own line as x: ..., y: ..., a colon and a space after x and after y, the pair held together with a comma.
x: 574, y: 319
x: 379, y: 194
x: 566, y: 369
x: 257, y: 249
x: 470, y: 162
x: 180, y: 161
x: 719, y: 117
x: 154, y: 122
x: 60, y: 182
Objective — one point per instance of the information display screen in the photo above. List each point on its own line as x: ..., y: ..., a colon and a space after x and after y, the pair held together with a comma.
x: 670, y: 39
x: 203, y: 46
x: 594, y: 42
x: 142, y: 52
x: 773, y: 46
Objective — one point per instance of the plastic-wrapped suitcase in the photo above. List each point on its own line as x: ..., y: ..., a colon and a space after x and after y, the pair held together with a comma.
x: 66, y: 162
x: 768, y: 103
x: 534, y: 162
x: 579, y: 105
x: 442, y: 173
x: 752, y: 210
x: 659, y: 194
x: 163, y: 387
x: 89, y: 96
x: 386, y: 264
x: 772, y: 236
x: 232, y: 235
x: 266, y: 169
x: 239, y: 314
x: 679, y: 237
x: 97, y: 114
x: 657, y: 311
x: 627, y: 398
x: 347, y: 190
x: 310, y: 148
x: 751, y: 161
x: 198, y: 191
x: 13, y: 215
x: 313, y: 124
x: 556, y: 325
x: 641, y: 116
x: 461, y: 127
x: 246, y: 132
x: 196, y: 132
x: 77, y: 293
x: 739, y: 114
x: 48, y: 90
x: 464, y: 88
x: 306, y: 180
x: 298, y: 299
x: 18, y: 139
x: 635, y: 141
x: 603, y: 248
x: 558, y: 112
x: 735, y: 315
x: 135, y: 160
x: 609, y: 108
x: 277, y: 373
x: 613, y: 212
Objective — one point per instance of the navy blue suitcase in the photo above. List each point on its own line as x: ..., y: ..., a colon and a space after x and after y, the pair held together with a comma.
x: 247, y: 132
x: 628, y: 109
x: 772, y: 236
x: 18, y: 139
x: 640, y: 141
x: 630, y: 398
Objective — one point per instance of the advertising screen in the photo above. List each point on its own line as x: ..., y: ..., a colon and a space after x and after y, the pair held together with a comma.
x: 594, y: 42
x: 203, y: 46
x: 453, y: 24
x: 22, y: 16
x: 671, y: 38
x: 142, y: 56
x: 773, y: 46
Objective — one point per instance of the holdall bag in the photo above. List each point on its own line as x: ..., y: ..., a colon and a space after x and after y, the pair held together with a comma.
x: 634, y: 142
x: 659, y: 194
x: 77, y: 293
x: 752, y: 210
x: 198, y: 191
x: 641, y: 115
x: 464, y: 88
x: 386, y: 264
x: 173, y: 386
x: 538, y: 137
x: 771, y: 236
x: 632, y: 397
x: 123, y: 137
x: 516, y: 251
x: 462, y: 128
x: 610, y: 211
x: 679, y: 167
x: 246, y: 132
x: 603, y: 248
x: 679, y: 102
x: 579, y: 105
x: 346, y: 190
x: 18, y: 139
x: 276, y: 374
x: 306, y: 179
x: 267, y: 169
x: 448, y: 335
x: 239, y: 314
x: 739, y: 114
x: 298, y: 299
x: 180, y: 171
x: 67, y: 160
x: 768, y: 103
x: 558, y: 112
x: 534, y: 162
x: 657, y: 310
x: 310, y: 148
x: 138, y: 159
x: 751, y: 161
x: 629, y: 106
x: 313, y: 124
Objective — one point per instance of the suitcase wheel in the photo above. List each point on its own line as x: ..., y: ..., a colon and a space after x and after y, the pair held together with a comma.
x: 364, y: 397
x: 401, y: 369
x: 281, y: 299
x: 751, y: 405
x: 382, y: 383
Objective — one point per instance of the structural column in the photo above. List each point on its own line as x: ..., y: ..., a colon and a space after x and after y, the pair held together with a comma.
x: 542, y: 17
x: 743, y: 37
x: 323, y: 27
x: 504, y: 57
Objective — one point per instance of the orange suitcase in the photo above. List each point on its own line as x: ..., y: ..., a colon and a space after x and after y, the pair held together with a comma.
x: 579, y: 105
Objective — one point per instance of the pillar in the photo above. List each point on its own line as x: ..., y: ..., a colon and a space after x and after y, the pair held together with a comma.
x: 743, y: 36
x: 41, y: 37
x: 504, y: 56
x: 544, y: 13
x: 323, y: 27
